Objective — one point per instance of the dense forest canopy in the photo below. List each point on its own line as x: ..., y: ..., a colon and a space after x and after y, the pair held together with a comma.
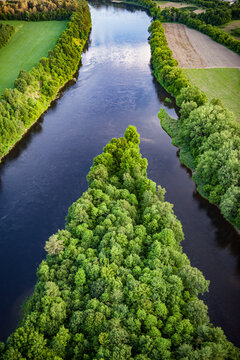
x: 116, y: 284
x: 37, y: 9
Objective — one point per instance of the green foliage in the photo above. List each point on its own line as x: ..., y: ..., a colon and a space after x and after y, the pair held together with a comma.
x: 207, y: 133
x: 21, y: 85
x: 189, y: 94
x: 235, y: 32
x: 37, y: 9
x: 23, y: 74
x: 120, y: 287
x: 34, y: 90
x: 6, y: 32
x: 204, y: 23
x: 230, y: 204
x: 31, y: 41
x: 213, y: 138
x: 218, y: 83
x: 218, y: 16
x: 218, y: 12
x: 165, y: 68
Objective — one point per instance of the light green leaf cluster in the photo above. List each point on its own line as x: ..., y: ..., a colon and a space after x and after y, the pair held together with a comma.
x: 119, y: 286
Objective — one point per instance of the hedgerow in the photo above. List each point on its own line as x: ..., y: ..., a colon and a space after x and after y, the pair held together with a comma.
x: 34, y: 90
x: 207, y: 131
x: 6, y: 32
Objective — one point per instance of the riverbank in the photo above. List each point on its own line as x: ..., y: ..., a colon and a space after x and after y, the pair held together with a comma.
x: 208, y: 130
x: 35, y: 90
x: 172, y: 128
x: 123, y: 235
x: 32, y: 41
x: 47, y: 171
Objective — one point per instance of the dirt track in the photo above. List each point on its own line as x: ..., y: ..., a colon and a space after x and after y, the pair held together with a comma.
x: 193, y: 49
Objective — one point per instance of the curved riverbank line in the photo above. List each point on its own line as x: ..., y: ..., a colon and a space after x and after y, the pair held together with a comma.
x: 31, y: 41
x: 47, y: 171
x: 116, y: 284
x: 207, y: 131
x: 34, y: 91
x: 210, y: 132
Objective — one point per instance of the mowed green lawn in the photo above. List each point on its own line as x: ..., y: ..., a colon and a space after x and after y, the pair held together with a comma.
x: 31, y: 42
x: 223, y: 84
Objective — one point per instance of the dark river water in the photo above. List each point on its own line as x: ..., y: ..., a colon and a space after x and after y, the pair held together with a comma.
x: 47, y: 171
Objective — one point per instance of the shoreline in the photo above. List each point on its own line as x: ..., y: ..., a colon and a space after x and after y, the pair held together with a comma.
x: 58, y: 95
x: 164, y: 121
x: 44, y: 102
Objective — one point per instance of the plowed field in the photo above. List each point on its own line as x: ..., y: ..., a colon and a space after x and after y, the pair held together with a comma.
x: 193, y: 49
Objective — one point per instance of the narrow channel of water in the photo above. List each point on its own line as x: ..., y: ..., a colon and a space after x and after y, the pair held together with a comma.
x: 47, y: 171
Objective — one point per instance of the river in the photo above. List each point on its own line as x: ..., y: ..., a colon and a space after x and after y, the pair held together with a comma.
x: 47, y: 171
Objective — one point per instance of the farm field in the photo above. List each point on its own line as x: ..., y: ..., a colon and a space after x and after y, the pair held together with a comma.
x: 193, y: 49
x: 29, y: 44
x: 219, y: 83
x: 178, y: 5
x: 232, y: 25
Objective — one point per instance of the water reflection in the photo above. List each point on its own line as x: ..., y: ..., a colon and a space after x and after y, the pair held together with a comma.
x: 47, y: 170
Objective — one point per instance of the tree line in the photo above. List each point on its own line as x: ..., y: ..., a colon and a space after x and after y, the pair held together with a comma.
x: 214, y: 10
x: 197, y: 22
x: 35, y: 10
x: 209, y: 3
x: 34, y: 90
x: 201, y: 22
x: 6, y: 32
x: 115, y: 284
x: 206, y: 130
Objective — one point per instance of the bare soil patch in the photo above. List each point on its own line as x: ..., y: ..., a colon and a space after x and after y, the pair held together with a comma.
x: 177, y: 5
x: 199, y: 11
x: 174, y: 4
x: 193, y: 49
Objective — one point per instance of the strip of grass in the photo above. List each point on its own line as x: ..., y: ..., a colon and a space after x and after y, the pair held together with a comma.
x: 31, y: 42
x: 223, y: 84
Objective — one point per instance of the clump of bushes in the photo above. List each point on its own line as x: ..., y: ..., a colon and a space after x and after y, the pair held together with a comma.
x: 116, y: 284
x: 213, y: 138
x: 165, y: 67
x: 36, y: 10
x: 6, y: 32
x: 207, y: 130
x: 22, y: 106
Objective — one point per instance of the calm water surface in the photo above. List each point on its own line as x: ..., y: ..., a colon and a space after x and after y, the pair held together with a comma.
x: 47, y: 171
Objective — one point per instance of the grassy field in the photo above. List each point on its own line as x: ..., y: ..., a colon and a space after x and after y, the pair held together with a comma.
x: 178, y: 5
x: 234, y: 24
x: 219, y: 83
x: 31, y: 42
